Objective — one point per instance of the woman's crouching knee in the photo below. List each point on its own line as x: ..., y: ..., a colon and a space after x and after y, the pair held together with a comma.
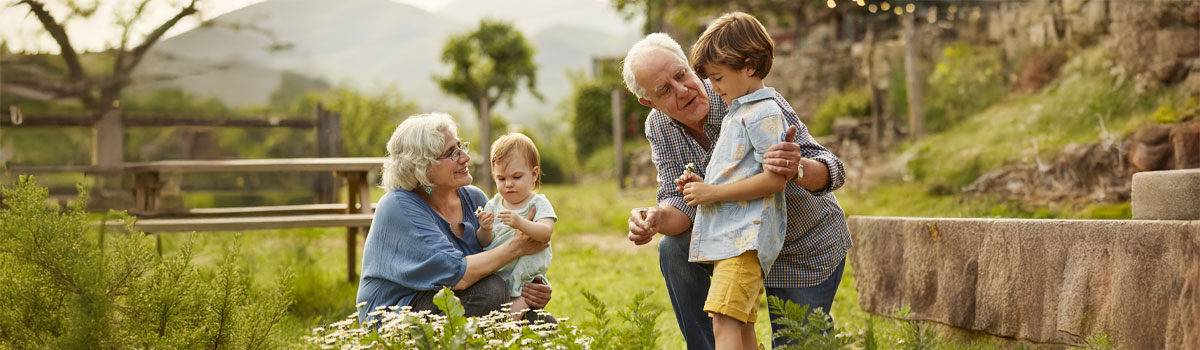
x: 486, y: 295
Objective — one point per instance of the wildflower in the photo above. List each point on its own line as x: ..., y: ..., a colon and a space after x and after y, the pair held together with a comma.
x: 690, y: 168
x: 361, y: 304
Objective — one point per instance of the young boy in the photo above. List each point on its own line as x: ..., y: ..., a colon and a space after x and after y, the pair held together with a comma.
x: 741, y: 221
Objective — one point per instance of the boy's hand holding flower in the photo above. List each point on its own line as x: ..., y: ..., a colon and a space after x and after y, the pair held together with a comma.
x: 697, y: 193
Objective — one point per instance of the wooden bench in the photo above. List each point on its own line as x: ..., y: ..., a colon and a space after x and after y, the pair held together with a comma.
x: 246, y: 223
x: 152, y: 178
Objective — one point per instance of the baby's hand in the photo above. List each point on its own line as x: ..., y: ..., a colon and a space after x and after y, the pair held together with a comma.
x: 510, y: 218
x: 486, y: 219
x: 697, y: 193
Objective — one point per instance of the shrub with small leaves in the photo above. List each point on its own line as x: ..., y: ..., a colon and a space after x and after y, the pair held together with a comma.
x: 65, y: 286
x: 816, y: 333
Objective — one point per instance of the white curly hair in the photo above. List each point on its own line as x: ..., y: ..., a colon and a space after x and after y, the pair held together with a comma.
x: 414, y: 146
x: 640, y: 49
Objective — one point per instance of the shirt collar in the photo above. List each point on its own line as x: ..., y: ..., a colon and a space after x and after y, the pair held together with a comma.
x: 758, y: 95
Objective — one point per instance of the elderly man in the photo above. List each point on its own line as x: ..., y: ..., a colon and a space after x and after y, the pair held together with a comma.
x: 682, y: 129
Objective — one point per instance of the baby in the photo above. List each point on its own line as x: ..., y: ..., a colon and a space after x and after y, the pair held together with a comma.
x: 517, y: 171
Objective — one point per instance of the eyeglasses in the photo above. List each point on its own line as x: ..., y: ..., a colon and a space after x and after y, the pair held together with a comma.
x: 459, y: 151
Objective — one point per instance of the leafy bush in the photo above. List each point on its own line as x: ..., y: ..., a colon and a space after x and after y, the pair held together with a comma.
x: 964, y: 82
x: 63, y: 287
x: 850, y: 104
x: 591, y: 106
x: 801, y: 331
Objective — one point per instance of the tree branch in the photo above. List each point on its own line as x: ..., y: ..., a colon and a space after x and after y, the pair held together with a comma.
x: 140, y: 51
x: 56, y: 30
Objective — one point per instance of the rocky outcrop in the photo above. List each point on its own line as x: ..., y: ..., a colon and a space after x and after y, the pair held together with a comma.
x: 1099, y: 171
x: 1046, y: 281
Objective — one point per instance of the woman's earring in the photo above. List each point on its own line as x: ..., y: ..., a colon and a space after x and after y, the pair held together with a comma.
x: 428, y: 189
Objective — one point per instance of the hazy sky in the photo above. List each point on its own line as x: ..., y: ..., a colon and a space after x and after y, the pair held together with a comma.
x: 23, y: 32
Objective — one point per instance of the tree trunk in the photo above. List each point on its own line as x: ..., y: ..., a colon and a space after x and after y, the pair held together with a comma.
x: 876, y: 98
x: 916, y: 124
x: 485, y: 138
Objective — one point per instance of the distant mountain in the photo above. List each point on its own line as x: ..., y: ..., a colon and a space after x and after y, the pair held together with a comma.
x: 371, y: 44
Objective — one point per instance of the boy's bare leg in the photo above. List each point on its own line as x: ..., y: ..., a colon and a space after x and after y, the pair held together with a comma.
x: 748, y: 337
x: 518, y: 308
x: 727, y: 332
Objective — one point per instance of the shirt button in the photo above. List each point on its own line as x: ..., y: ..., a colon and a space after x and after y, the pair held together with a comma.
x: 756, y: 222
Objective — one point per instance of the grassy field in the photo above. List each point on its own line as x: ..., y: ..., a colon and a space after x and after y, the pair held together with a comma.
x: 591, y: 254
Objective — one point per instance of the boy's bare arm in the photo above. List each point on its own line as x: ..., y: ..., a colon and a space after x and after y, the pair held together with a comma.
x: 760, y: 185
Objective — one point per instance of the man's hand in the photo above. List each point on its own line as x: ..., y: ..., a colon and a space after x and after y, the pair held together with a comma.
x: 536, y: 294
x: 784, y: 158
x: 641, y: 225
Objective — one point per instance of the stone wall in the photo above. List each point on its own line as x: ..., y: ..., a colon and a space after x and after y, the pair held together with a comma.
x: 1045, y: 281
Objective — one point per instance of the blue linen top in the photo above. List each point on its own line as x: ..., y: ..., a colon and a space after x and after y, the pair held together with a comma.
x: 729, y: 228
x: 410, y: 248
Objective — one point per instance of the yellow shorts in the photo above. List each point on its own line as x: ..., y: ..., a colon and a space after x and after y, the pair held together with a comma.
x: 737, y: 285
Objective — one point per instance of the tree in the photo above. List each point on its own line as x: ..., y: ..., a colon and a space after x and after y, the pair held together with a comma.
x: 99, y: 92
x: 488, y: 65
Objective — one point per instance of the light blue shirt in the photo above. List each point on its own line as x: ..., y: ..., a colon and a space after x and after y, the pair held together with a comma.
x: 525, y: 268
x: 727, y: 229
x: 410, y: 248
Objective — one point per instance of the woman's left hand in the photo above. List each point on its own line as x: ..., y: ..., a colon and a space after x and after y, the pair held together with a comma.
x: 536, y: 293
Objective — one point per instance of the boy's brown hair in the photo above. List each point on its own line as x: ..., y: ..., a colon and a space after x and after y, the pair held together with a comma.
x: 510, y: 144
x: 736, y: 40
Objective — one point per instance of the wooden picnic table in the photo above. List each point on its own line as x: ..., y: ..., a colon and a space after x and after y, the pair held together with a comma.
x: 150, y: 178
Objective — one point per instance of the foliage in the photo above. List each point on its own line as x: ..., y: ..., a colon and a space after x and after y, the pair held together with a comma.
x: 916, y: 335
x: 805, y: 330
x: 294, y: 86
x: 77, y: 79
x: 487, y: 66
x: 64, y: 287
x: 367, y: 120
x: 591, y: 102
x: 965, y: 81
x: 1084, y: 104
x: 850, y: 104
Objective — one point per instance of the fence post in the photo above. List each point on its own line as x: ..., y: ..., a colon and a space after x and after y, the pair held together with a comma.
x: 108, y: 156
x: 329, y: 144
x: 618, y: 137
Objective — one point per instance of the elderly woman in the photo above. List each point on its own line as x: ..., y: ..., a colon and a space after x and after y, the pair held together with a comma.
x: 423, y: 234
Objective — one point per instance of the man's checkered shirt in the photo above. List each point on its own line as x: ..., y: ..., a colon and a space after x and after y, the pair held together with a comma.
x: 817, y: 236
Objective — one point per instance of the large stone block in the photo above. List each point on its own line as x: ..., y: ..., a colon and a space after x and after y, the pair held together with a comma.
x: 1046, y: 281
x: 1166, y: 195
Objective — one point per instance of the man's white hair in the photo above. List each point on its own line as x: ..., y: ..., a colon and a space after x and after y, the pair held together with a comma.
x: 639, y: 50
x: 414, y: 146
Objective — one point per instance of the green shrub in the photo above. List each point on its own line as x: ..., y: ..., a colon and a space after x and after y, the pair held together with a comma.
x: 811, y: 331
x: 850, y: 104
x: 64, y: 287
x: 965, y: 81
